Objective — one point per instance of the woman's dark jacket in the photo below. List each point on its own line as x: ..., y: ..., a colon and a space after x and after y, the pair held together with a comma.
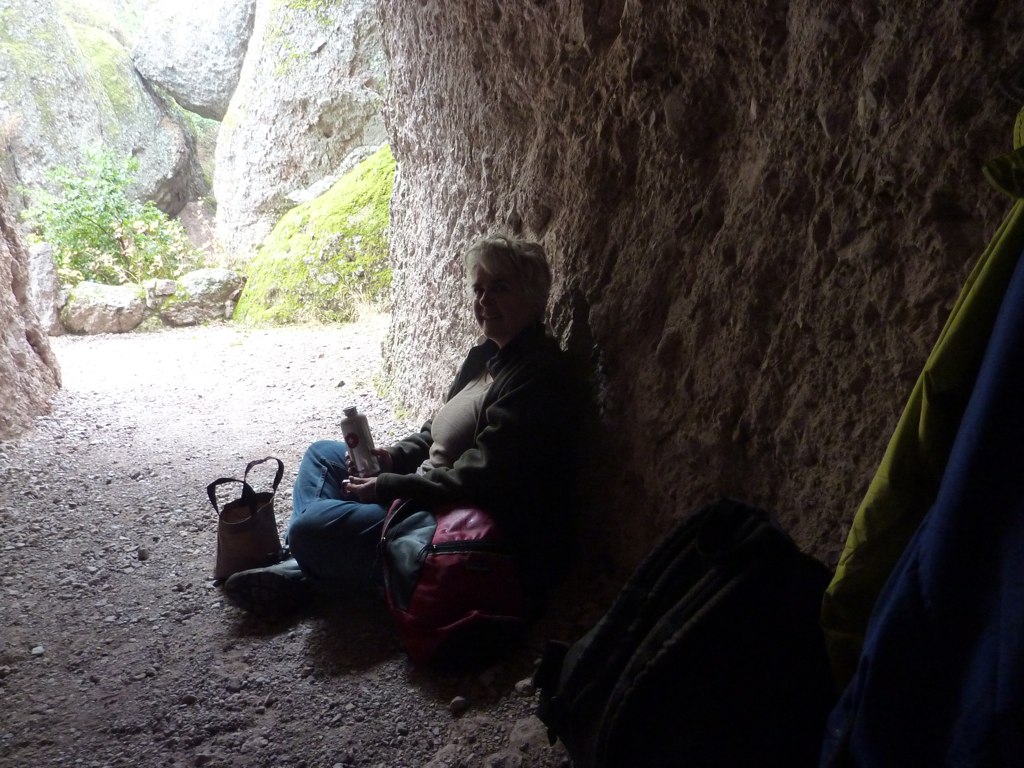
x: 522, y: 465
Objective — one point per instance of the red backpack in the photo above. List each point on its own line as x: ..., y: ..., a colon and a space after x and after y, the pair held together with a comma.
x: 449, y: 574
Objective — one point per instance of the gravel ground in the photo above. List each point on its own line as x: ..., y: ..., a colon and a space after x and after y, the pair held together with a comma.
x: 115, y: 647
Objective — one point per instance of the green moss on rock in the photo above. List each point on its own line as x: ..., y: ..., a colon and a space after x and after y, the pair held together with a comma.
x: 318, y: 6
x: 286, y: 16
x: 151, y: 324
x: 112, y: 65
x: 328, y: 257
x: 35, y: 57
x: 181, y: 295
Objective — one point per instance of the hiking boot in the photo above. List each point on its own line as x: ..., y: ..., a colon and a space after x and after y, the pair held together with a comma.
x: 275, y: 589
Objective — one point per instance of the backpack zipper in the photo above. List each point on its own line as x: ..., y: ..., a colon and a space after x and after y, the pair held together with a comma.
x: 455, y: 547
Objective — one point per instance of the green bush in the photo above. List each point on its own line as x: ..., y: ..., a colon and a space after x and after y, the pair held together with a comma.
x: 100, y: 233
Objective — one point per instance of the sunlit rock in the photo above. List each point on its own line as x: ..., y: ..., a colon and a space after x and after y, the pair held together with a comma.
x: 307, y: 107
x: 194, y: 50
x: 68, y: 85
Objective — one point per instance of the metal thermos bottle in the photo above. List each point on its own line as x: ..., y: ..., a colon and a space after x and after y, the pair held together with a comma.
x: 356, y: 431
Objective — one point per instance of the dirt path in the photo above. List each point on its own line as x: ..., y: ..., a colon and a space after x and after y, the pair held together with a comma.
x: 115, y: 648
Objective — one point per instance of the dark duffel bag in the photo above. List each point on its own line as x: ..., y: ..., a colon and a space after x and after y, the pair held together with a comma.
x: 711, y: 655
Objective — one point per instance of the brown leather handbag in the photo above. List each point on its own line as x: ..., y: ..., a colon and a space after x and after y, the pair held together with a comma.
x: 247, y: 534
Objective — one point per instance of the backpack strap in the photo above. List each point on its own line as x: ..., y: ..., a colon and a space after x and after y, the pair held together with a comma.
x: 572, y: 676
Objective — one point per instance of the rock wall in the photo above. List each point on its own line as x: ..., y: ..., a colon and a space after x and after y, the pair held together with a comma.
x: 68, y: 85
x: 196, y: 51
x: 124, y: 18
x: 307, y: 107
x: 29, y: 373
x: 759, y: 222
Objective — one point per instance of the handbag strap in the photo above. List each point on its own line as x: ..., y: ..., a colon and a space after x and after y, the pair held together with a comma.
x: 277, y: 475
x: 248, y: 494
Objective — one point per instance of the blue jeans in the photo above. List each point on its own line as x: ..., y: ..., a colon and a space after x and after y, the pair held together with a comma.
x: 333, y: 539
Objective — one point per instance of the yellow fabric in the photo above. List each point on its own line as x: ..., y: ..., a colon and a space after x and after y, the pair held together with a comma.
x: 906, y: 483
x: 1006, y: 173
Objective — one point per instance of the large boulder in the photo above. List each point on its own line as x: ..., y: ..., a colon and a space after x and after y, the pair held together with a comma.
x: 194, y: 50
x: 96, y: 308
x: 758, y: 223
x: 310, y: 95
x: 197, y: 297
x: 68, y: 85
x: 29, y: 372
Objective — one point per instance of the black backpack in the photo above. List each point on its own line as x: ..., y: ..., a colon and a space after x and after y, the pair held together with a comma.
x: 711, y: 655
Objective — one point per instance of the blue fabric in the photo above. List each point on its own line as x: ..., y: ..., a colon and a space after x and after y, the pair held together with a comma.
x: 941, y: 678
x: 333, y: 539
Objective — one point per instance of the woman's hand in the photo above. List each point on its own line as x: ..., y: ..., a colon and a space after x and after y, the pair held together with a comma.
x: 383, y: 459
x: 362, y: 489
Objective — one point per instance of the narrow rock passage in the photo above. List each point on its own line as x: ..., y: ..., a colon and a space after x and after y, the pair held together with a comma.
x: 115, y: 648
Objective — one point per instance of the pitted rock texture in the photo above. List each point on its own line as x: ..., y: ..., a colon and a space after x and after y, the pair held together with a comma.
x: 195, y: 51
x: 29, y: 372
x: 758, y: 221
x: 69, y: 86
x: 309, y: 95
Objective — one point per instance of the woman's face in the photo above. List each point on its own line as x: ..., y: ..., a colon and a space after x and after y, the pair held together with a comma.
x: 500, y: 305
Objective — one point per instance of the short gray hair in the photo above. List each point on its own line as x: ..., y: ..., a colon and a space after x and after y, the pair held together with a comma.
x: 523, y: 258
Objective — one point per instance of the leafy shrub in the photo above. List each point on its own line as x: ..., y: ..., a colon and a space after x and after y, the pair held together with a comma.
x: 100, y: 233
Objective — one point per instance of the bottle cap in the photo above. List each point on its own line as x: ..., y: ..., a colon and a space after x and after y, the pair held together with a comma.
x: 351, y: 410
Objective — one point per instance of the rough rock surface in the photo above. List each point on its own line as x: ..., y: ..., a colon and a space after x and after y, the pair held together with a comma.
x: 98, y: 308
x: 198, y: 219
x: 195, y: 50
x: 205, y: 294
x: 29, y: 372
x: 758, y: 222
x: 196, y: 297
x: 68, y: 86
x: 310, y: 94
x: 115, y: 648
x: 44, y: 288
x: 124, y: 18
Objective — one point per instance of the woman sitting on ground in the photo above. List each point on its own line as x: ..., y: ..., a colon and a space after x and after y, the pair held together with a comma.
x: 504, y: 440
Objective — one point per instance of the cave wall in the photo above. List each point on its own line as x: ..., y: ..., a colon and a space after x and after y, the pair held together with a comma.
x: 29, y: 372
x: 758, y: 220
